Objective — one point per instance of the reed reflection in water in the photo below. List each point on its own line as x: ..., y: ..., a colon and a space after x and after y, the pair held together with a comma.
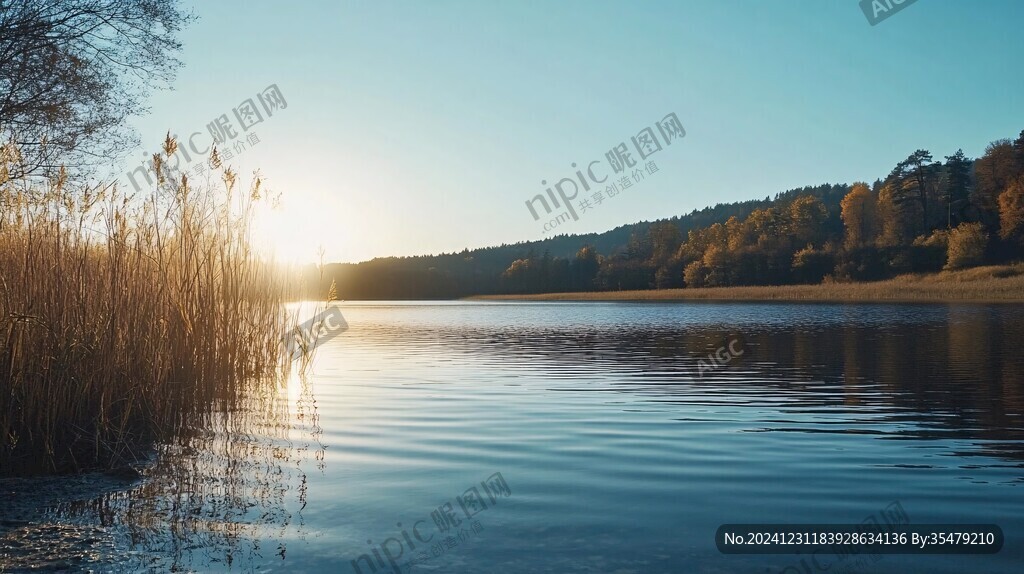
x: 228, y: 495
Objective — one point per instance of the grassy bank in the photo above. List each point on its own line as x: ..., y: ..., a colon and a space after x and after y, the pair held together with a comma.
x: 981, y: 284
x: 125, y: 320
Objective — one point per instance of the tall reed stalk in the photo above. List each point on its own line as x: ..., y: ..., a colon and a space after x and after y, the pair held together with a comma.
x: 126, y: 319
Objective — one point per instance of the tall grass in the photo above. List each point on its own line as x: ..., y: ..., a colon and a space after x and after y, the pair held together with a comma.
x: 992, y: 284
x: 126, y: 319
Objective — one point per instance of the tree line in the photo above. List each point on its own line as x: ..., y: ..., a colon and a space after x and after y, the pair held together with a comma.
x: 926, y: 215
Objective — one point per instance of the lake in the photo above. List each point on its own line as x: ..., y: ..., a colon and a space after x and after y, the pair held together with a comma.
x: 578, y: 437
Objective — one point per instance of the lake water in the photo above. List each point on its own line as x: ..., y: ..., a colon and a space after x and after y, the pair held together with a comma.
x: 619, y: 445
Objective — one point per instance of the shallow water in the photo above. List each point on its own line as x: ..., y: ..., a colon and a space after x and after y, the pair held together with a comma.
x: 622, y: 446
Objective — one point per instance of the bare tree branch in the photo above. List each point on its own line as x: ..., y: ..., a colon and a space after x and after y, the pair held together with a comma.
x: 72, y: 72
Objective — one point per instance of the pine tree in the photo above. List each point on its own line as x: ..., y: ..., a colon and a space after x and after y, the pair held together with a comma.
x: 957, y: 184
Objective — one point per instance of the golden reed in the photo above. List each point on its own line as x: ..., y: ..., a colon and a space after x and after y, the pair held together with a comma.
x: 125, y: 319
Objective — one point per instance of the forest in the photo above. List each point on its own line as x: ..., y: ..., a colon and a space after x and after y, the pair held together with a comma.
x: 926, y: 215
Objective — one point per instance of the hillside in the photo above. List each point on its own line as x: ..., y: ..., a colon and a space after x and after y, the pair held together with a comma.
x: 925, y: 216
x: 478, y: 271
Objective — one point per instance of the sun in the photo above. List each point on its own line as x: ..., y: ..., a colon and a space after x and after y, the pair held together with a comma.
x: 290, y: 233
x: 304, y: 228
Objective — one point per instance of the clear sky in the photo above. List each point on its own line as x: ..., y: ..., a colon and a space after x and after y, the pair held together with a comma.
x: 424, y: 127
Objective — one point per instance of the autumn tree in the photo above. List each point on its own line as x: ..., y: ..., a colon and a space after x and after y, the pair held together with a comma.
x: 718, y: 263
x: 519, y: 275
x: 860, y: 216
x: 967, y: 243
x: 892, y: 225
x: 806, y: 217
x: 767, y: 226
x: 1011, y: 212
x: 993, y: 173
x: 739, y: 233
x: 72, y: 71
x: 694, y: 274
x: 811, y: 265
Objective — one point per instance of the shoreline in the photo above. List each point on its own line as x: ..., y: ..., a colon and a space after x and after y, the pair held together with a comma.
x: 991, y: 284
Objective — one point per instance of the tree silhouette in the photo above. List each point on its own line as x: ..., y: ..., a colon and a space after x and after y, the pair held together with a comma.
x: 911, y: 179
x: 957, y: 185
x: 71, y: 72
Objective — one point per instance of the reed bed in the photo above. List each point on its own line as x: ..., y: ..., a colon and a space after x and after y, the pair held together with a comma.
x: 124, y: 319
x: 990, y: 284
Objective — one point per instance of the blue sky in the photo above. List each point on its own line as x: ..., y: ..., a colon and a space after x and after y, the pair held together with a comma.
x: 424, y: 127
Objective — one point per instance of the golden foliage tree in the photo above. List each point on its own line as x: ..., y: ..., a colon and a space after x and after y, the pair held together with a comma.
x: 1011, y: 211
x: 860, y: 215
x: 806, y: 216
x: 994, y: 172
x: 694, y: 274
x: 891, y: 223
x: 967, y: 244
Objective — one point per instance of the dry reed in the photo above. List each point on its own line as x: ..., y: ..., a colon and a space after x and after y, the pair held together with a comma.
x: 126, y: 319
x: 992, y: 284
